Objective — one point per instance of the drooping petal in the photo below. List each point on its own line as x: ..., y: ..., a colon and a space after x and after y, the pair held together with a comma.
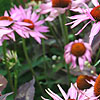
x: 62, y: 92
x: 95, y: 2
x: 81, y: 62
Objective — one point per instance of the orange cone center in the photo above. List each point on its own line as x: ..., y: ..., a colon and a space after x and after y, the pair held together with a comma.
x: 60, y: 3
x: 6, y: 18
x: 96, y: 13
x: 78, y: 49
x: 97, y: 86
x: 82, y: 82
x: 29, y: 21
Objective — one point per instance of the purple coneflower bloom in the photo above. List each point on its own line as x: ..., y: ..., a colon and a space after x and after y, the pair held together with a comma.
x: 77, y: 50
x: 6, y: 33
x: 28, y: 17
x: 88, y: 13
x: 73, y: 93
x: 57, y: 7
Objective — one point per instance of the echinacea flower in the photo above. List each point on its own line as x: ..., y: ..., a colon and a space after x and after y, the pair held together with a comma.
x: 88, y: 13
x: 57, y: 7
x: 35, y: 28
x: 77, y: 50
x: 73, y: 93
x: 93, y: 93
x: 83, y: 81
x: 6, y: 33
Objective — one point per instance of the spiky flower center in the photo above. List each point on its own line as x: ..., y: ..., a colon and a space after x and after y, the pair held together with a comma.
x: 71, y: 99
x: 97, y: 86
x: 82, y: 82
x: 6, y: 18
x: 96, y: 13
x: 78, y: 49
x: 30, y: 22
x: 60, y: 3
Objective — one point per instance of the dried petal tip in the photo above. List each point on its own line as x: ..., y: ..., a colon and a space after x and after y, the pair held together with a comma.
x: 97, y: 86
x: 96, y: 13
x: 82, y: 82
x: 60, y: 3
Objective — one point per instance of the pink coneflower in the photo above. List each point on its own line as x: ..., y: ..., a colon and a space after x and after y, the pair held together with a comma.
x: 92, y: 14
x: 57, y: 7
x: 77, y: 50
x: 6, y: 33
x: 94, y: 92
x: 35, y: 28
x: 73, y: 93
x: 82, y: 81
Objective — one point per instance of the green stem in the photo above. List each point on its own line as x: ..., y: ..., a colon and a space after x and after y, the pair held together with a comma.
x: 54, y: 33
x: 7, y: 67
x: 97, y: 56
x: 44, y: 54
x: 62, y: 20
x: 68, y: 73
x: 29, y: 62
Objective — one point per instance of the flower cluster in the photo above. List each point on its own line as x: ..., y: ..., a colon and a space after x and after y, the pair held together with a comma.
x: 78, y: 90
x: 31, y: 22
x: 22, y: 21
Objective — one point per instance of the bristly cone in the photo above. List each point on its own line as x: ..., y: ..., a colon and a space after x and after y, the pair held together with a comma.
x: 96, y: 13
x: 82, y: 82
x: 97, y: 86
x: 61, y: 3
x: 78, y: 49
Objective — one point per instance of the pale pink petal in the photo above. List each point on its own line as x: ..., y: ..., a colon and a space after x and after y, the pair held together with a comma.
x: 44, y: 98
x: 72, y: 92
x: 88, y: 55
x: 5, y: 23
x: 41, y: 28
x: 81, y: 63
x: 23, y: 23
x: 95, y: 2
x: 63, y: 92
x: 39, y: 22
x: 82, y: 28
x: 88, y: 46
x: 28, y: 13
x: 53, y: 95
x: 45, y: 8
x: 73, y: 58
x: 34, y: 17
x: 4, y: 32
x: 95, y: 29
x: 6, y: 13
x: 79, y: 21
x: 67, y: 58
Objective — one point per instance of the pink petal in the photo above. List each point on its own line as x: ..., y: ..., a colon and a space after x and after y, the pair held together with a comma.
x: 62, y: 92
x: 34, y: 17
x: 95, y: 2
x: 82, y: 28
x: 81, y: 63
x: 88, y: 55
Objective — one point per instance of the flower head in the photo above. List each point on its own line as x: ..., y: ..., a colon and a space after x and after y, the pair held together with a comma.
x: 73, y: 93
x: 6, y: 32
x: 57, y: 7
x: 30, y: 25
x: 88, y: 13
x: 82, y: 81
x: 77, y: 50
